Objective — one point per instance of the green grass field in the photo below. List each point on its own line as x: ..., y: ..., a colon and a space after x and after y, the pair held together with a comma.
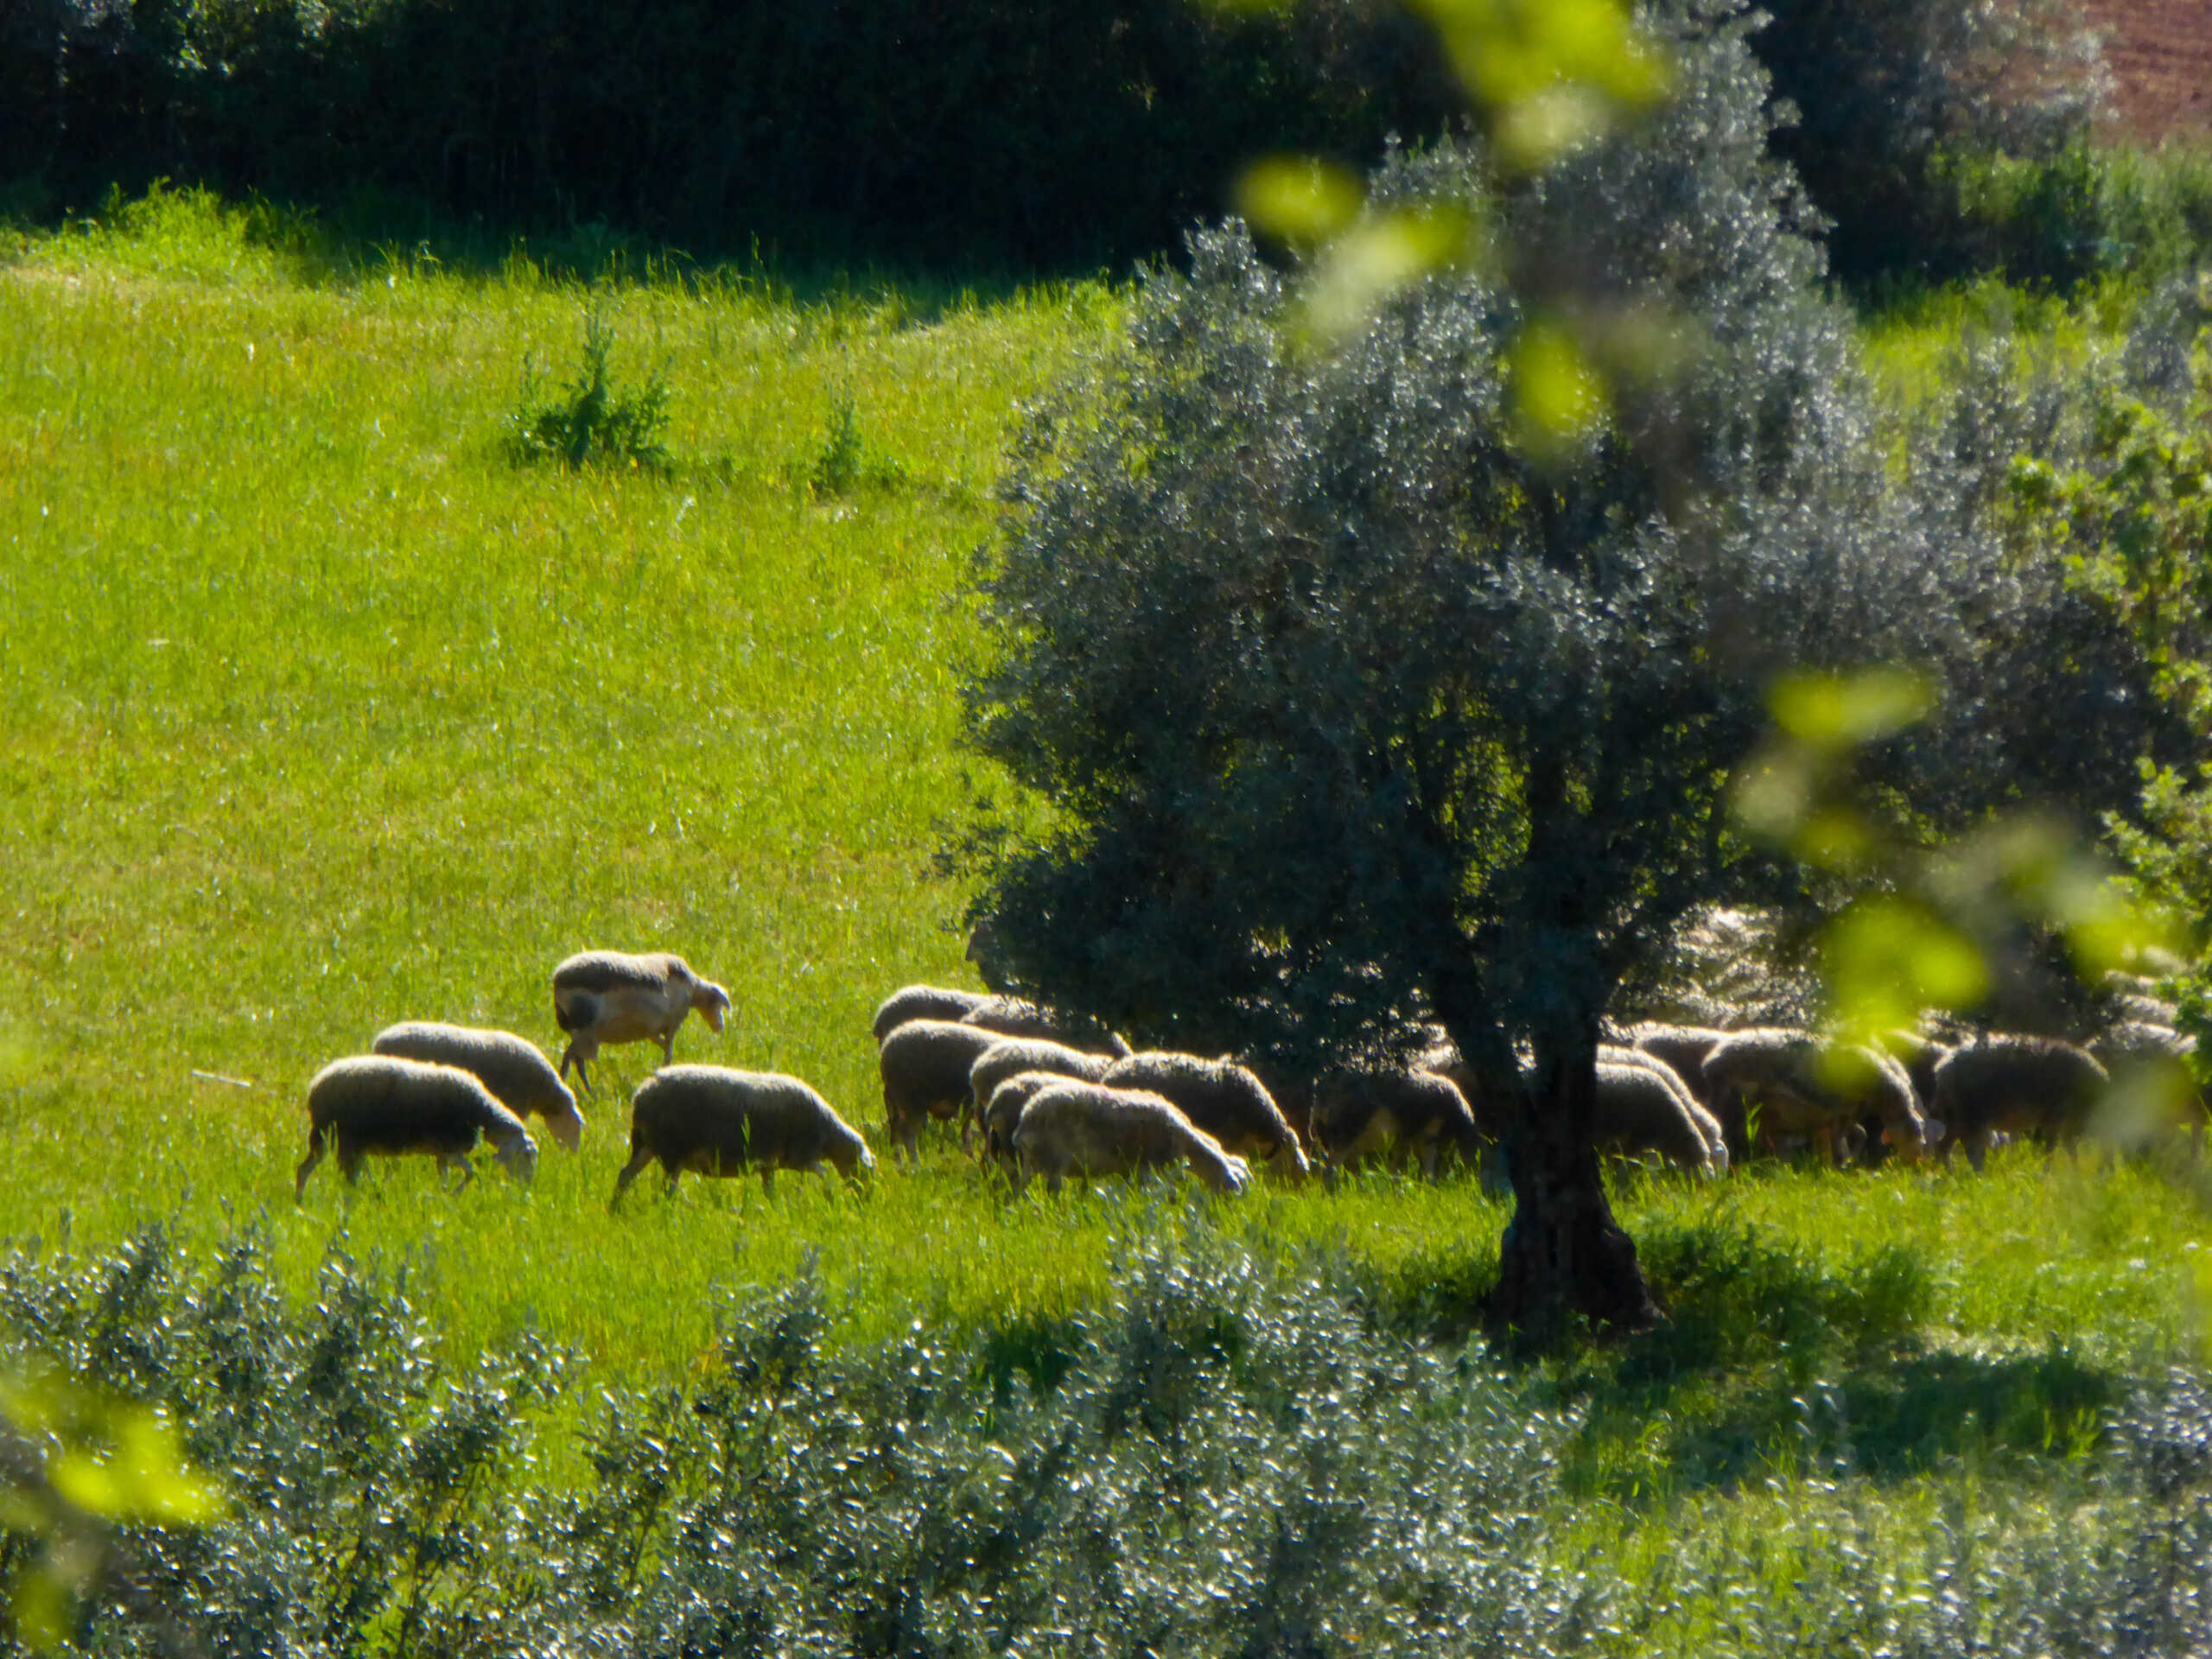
x: 322, y: 712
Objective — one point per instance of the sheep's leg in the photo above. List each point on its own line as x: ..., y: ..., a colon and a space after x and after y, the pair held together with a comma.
x: 575, y: 1055
x: 630, y: 1171
x: 668, y: 1046
x: 768, y: 1181
x: 307, y: 1168
x: 447, y: 1160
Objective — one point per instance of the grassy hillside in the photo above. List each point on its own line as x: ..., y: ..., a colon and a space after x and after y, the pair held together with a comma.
x: 323, y: 712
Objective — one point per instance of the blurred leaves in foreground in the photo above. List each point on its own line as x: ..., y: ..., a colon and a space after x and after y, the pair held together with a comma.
x: 1547, y: 77
x: 75, y: 1464
x: 1929, y: 925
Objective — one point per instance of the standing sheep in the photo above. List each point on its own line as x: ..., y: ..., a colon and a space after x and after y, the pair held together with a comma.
x: 607, y: 996
x: 923, y: 1002
x: 1002, y: 1113
x: 1016, y: 1055
x: 1395, y: 1114
x: 2037, y: 1086
x: 718, y: 1121
x: 1226, y: 1101
x: 924, y: 1065
x: 1085, y: 1128
x: 1784, y: 1073
x: 1682, y: 1047
x: 1641, y: 1106
x: 385, y: 1104
x: 519, y: 1075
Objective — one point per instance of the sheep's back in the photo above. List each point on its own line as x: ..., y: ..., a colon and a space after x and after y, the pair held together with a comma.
x: 382, y: 1102
x: 516, y: 1071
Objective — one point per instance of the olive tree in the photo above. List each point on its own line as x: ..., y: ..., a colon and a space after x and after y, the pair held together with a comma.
x: 1355, y: 708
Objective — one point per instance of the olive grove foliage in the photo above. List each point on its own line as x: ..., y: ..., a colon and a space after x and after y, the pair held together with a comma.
x: 1354, y: 707
x: 1229, y: 1459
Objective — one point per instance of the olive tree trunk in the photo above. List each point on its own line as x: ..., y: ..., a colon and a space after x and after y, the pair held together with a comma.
x: 1563, y: 1253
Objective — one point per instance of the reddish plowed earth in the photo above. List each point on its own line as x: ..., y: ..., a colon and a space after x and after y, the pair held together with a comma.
x: 2160, y: 52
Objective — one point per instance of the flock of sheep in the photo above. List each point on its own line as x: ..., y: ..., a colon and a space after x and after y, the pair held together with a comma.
x: 1058, y: 1098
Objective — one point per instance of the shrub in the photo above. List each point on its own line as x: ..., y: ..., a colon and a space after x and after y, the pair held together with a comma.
x: 594, y: 421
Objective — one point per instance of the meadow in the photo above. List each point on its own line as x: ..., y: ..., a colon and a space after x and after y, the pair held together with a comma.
x: 324, y: 711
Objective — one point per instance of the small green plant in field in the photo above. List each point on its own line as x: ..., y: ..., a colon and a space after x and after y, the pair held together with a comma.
x: 594, y: 421
x: 843, y: 462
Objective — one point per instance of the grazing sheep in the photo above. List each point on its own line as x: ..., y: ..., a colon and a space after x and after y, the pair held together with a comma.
x: 1360, y: 1115
x: 923, y: 1002
x: 519, y: 1075
x: 1682, y: 1047
x: 1226, y: 1101
x: 925, y: 1063
x: 1011, y: 1017
x: 605, y: 996
x: 1641, y: 1106
x: 1011, y: 1057
x: 2037, y: 1086
x: 718, y: 1121
x: 1784, y: 1072
x: 385, y: 1104
x: 1003, y: 1112
x: 1084, y: 1129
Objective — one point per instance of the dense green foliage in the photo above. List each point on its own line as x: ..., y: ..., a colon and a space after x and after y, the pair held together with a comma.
x: 1219, y: 1459
x: 1889, y: 94
x: 1359, y: 709
x: 1037, y: 135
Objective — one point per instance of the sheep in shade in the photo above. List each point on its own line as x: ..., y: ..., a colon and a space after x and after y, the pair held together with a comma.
x: 1682, y: 1047
x: 519, y: 1075
x: 607, y: 996
x: 924, y: 1065
x: 1002, y: 1113
x: 717, y: 1122
x: 1070, y: 1127
x: 1226, y: 1101
x: 1394, y: 1114
x: 1011, y: 1017
x: 1787, y: 1075
x: 1017, y: 1055
x: 923, y: 1002
x: 1642, y: 1106
x: 2037, y: 1086
x: 385, y: 1104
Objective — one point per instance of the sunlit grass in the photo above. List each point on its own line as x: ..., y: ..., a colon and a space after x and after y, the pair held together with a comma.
x: 322, y: 713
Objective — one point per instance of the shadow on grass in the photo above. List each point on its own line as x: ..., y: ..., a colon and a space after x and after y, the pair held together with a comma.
x: 369, y: 236
x: 1772, y: 1361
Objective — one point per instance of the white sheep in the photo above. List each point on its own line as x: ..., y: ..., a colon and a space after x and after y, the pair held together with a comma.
x: 719, y: 1121
x: 607, y: 996
x: 518, y: 1074
x: 1226, y: 1100
x: 1017, y: 1055
x: 383, y: 1104
x: 1085, y: 1128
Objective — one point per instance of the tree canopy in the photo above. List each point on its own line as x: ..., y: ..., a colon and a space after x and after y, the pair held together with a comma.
x: 1358, y: 707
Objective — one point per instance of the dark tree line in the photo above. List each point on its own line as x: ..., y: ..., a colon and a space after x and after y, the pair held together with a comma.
x: 1040, y: 134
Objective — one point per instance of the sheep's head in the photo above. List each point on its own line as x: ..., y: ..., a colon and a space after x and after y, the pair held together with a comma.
x: 713, y: 1002
x: 567, y: 1127
x: 1288, y: 1160
x: 519, y: 1154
